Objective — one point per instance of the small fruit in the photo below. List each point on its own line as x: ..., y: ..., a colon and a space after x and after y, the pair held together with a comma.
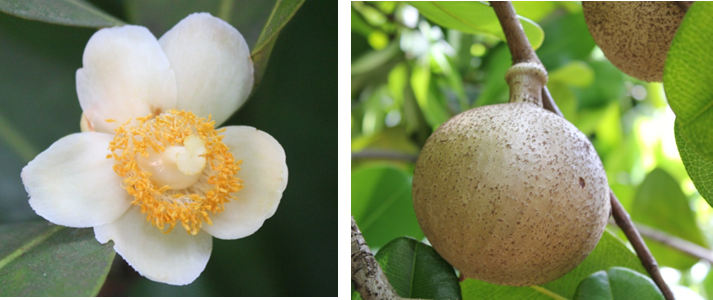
x: 511, y: 194
x: 634, y: 36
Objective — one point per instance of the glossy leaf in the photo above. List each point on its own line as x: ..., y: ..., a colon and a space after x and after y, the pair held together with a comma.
x: 660, y: 203
x: 63, y: 12
x: 609, y: 252
x: 382, y: 204
x: 41, y: 259
x: 699, y: 168
x: 474, y: 17
x: 415, y: 270
x: 687, y: 78
x: 617, y: 284
x: 260, y: 22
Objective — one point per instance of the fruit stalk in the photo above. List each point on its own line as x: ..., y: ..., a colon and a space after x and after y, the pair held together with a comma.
x: 522, y: 52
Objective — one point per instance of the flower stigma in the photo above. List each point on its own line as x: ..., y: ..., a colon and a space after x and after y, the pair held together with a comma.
x: 176, y: 167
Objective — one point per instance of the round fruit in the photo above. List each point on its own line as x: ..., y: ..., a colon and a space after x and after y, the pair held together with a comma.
x: 634, y: 36
x: 511, y: 194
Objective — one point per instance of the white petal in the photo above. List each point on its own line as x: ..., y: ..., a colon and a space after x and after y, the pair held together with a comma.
x: 175, y: 258
x: 264, y: 173
x: 72, y: 183
x: 125, y: 75
x: 211, y: 60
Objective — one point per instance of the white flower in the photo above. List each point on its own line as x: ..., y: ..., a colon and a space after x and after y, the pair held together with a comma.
x: 150, y: 158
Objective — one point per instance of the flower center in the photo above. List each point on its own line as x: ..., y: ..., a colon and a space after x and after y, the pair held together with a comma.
x: 176, y: 167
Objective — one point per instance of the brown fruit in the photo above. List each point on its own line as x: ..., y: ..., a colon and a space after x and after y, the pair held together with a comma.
x: 634, y: 36
x: 511, y: 194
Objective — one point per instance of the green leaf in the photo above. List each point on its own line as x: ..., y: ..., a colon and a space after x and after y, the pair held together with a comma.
x: 687, y: 78
x: 699, y: 168
x: 41, y: 259
x: 282, y: 13
x: 617, y: 284
x: 474, y: 17
x: 415, y: 270
x: 428, y: 97
x: 382, y: 205
x: 660, y: 203
x: 608, y: 85
x: 609, y: 252
x: 534, y: 10
x: 495, y: 89
x: 568, y: 39
x: 260, y: 22
x: 576, y: 73
x: 63, y: 12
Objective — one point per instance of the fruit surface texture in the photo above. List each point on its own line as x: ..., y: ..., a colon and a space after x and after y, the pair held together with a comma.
x: 634, y: 36
x: 511, y: 194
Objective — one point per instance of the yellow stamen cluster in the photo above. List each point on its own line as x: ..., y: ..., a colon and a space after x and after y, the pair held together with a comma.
x: 165, y: 206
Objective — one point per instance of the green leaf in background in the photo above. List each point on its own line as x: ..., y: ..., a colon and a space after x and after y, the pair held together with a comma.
x: 699, y: 168
x: 415, y: 270
x: 474, y: 17
x: 428, y: 97
x: 568, y: 39
x: 609, y: 252
x: 260, y: 22
x: 608, y: 86
x: 63, y: 12
x: 660, y: 203
x: 687, y: 78
x: 382, y: 204
x: 576, y: 73
x: 495, y: 89
x: 41, y: 259
x: 617, y: 284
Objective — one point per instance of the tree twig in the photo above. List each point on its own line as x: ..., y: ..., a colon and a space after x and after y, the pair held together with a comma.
x: 522, y: 52
x: 647, y: 260
x: 368, y: 278
x: 692, y: 249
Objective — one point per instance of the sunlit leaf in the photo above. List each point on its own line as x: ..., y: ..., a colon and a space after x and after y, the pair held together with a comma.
x: 576, y: 73
x: 687, y: 78
x: 699, y: 168
x: 41, y: 259
x: 660, y: 204
x: 63, y: 12
x: 617, y: 284
x: 534, y: 10
x: 381, y: 204
x: 474, y: 17
x: 415, y: 270
x: 609, y: 252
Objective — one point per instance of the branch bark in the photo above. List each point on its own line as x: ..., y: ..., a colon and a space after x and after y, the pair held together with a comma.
x: 368, y: 278
x: 522, y: 52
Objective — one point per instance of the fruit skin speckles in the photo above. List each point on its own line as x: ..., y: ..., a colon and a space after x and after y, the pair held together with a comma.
x: 529, y: 219
x: 634, y: 36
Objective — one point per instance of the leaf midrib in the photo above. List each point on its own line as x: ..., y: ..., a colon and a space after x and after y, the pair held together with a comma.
x: 26, y: 247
